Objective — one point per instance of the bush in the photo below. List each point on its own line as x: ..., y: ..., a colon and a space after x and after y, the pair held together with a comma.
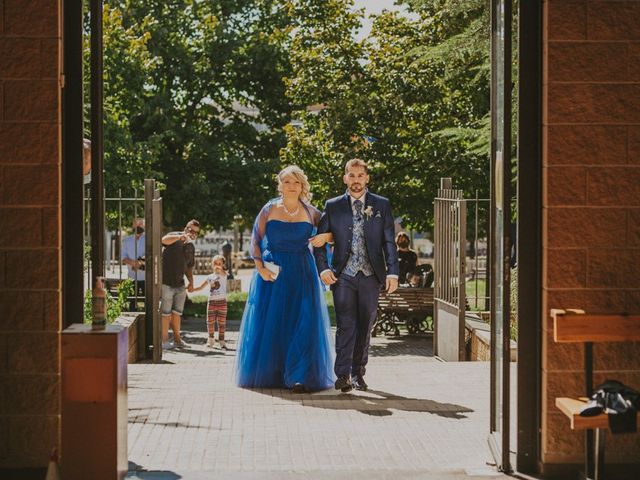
x: 197, y: 306
x: 115, y: 305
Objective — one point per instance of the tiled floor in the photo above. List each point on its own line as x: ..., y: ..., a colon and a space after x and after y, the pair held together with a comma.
x: 422, y: 419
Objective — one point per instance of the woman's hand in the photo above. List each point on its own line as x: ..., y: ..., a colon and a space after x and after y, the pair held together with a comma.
x: 266, y: 274
x: 320, y: 239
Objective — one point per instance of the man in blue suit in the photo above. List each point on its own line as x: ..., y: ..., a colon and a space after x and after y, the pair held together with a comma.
x: 364, y: 259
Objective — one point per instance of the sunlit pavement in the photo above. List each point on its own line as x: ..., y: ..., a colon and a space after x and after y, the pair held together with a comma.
x: 421, y: 419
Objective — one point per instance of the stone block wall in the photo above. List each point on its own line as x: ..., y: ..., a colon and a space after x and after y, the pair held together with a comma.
x: 591, y: 200
x: 30, y: 255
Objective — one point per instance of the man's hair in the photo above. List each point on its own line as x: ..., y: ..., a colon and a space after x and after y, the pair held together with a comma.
x: 194, y: 223
x: 402, y: 234
x: 356, y: 162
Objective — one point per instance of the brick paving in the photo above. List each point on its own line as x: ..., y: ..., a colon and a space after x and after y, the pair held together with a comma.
x: 422, y: 419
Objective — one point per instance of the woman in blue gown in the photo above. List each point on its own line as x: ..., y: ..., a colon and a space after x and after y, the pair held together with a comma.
x: 285, y: 339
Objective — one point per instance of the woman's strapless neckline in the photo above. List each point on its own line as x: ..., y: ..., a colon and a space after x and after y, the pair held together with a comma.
x: 284, y: 221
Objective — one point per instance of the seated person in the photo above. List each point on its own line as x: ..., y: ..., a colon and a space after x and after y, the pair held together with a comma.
x: 415, y: 279
x: 407, y: 258
x: 420, y: 277
x: 426, y: 271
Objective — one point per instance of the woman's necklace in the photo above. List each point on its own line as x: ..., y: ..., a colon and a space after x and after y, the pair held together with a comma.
x: 291, y: 214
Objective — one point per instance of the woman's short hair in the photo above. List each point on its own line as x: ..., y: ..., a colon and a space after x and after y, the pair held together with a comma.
x: 356, y: 162
x: 297, y: 173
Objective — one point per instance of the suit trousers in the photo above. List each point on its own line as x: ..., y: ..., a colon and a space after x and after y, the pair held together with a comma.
x: 356, y: 301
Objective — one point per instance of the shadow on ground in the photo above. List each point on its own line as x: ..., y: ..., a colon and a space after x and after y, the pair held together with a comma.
x: 404, y: 344
x: 137, y: 471
x: 373, y: 402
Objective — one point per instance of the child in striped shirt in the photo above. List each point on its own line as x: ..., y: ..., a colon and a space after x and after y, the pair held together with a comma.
x: 217, y: 304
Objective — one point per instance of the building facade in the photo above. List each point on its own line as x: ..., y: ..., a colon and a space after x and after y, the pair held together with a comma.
x: 590, y: 209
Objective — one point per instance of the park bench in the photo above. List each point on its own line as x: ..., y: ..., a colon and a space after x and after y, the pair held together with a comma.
x: 574, y: 326
x: 412, y: 307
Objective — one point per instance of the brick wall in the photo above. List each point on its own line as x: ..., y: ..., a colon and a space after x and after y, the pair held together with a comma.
x: 29, y: 232
x: 591, y: 239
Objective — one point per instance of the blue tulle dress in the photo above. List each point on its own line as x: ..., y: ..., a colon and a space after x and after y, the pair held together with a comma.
x: 285, y: 336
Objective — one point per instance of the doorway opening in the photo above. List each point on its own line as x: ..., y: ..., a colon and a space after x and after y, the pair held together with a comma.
x: 511, y: 450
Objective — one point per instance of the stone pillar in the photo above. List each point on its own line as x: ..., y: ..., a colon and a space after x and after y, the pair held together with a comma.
x: 30, y: 285
x: 591, y: 200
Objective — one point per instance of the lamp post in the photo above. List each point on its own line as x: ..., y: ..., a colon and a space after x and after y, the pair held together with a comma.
x: 226, y: 253
x: 237, y: 220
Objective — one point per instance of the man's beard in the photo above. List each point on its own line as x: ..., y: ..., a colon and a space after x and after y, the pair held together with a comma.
x: 356, y: 188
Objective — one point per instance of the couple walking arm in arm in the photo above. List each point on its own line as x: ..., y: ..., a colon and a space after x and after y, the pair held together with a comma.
x: 284, y: 338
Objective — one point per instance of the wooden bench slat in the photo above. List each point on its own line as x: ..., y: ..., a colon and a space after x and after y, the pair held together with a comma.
x: 596, y: 328
x: 571, y: 408
x: 411, y: 306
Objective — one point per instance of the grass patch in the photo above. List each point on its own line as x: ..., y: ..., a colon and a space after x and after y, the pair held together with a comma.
x: 470, y: 291
x: 197, y: 306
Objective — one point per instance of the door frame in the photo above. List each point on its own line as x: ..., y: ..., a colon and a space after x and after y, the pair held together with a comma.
x: 500, y: 242
x: 529, y: 247
x: 72, y: 186
x: 529, y: 236
x: 529, y: 196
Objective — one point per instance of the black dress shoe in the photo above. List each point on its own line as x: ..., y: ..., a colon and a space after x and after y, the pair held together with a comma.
x: 343, y: 383
x: 359, y: 383
x: 298, y: 388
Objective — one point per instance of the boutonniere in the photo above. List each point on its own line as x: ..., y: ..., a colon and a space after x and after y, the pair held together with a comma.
x: 368, y: 212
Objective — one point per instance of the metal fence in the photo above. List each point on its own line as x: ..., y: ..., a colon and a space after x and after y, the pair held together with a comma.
x: 450, y: 216
x: 120, y: 211
x: 458, y: 258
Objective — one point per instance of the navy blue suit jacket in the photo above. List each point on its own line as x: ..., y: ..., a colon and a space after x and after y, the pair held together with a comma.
x: 379, y: 234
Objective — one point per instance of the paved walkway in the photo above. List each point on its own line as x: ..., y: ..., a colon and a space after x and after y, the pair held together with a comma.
x: 422, y: 419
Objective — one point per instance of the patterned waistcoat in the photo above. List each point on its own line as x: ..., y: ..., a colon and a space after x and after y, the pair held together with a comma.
x: 359, y: 258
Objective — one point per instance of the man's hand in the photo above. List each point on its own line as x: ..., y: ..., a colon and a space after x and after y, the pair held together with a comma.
x: 392, y: 284
x: 328, y: 278
x: 190, y: 287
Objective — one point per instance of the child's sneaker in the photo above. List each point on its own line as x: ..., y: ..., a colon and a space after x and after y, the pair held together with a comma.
x: 223, y: 345
x: 211, y: 342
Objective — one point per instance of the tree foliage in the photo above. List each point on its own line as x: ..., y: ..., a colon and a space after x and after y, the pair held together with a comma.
x: 408, y: 99
x: 212, y: 97
x: 194, y: 97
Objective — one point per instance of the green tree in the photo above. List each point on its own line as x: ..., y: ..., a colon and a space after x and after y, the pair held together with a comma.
x: 194, y: 97
x: 414, y: 115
